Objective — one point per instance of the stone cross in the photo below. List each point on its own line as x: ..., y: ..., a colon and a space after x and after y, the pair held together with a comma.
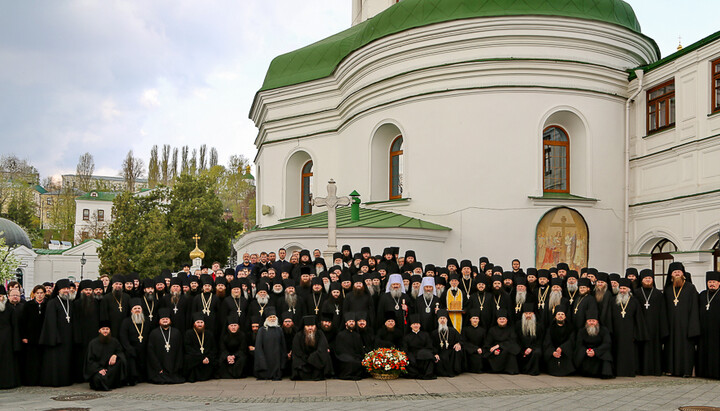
x: 332, y: 202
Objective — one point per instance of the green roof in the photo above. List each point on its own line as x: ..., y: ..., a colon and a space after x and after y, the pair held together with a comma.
x: 368, y: 218
x: 101, y: 196
x: 320, y: 59
x: 39, y: 189
x: 685, y: 50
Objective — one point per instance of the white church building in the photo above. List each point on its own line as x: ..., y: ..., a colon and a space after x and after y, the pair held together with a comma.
x: 547, y: 132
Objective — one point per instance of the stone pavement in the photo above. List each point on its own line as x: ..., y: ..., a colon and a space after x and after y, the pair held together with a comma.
x: 479, y: 391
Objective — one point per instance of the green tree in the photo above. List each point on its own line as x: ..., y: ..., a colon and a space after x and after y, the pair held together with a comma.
x: 62, y: 214
x: 237, y: 191
x: 8, y: 262
x: 154, y: 168
x: 21, y: 209
x: 196, y: 209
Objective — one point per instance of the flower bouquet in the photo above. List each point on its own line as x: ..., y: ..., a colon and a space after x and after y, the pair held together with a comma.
x: 385, y: 363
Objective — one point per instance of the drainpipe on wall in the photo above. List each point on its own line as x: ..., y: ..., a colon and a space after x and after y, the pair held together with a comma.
x: 640, y: 74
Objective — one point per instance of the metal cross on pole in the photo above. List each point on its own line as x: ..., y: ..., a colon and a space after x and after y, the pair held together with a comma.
x: 332, y: 202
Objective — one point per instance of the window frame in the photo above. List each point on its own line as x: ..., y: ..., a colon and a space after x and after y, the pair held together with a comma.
x: 304, y: 175
x: 565, y: 144
x: 86, y: 214
x: 100, y: 215
x: 715, y: 85
x: 394, y: 154
x: 665, y: 257
x: 667, y: 97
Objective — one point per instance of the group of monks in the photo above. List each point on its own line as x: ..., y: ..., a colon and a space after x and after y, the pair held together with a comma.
x: 273, y: 318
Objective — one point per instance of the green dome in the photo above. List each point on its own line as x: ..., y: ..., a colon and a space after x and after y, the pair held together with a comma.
x: 320, y: 59
x: 13, y: 234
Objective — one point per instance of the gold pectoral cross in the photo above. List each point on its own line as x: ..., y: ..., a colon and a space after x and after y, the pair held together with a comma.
x: 316, y: 310
x: 622, y: 313
x: 202, y: 350
x: 676, y: 301
x: 140, y: 337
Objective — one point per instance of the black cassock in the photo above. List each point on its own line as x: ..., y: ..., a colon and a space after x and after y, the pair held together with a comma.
x: 628, y: 332
x: 580, y: 308
x: 135, y: 349
x: 9, y: 345
x: 297, y: 313
x: 385, y: 338
x: 349, y: 351
x: 653, y: 306
x: 505, y: 337
x: 482, y: 301
x: 421, y: 358
x: 232, y: 305
x: 179, y: 312
x: 211, y: 319
x: 530, y: 363
x: 684, y: 327
x: 311, y: 363
x: 604, y: 312
x: 360, y: 303
x: 196, y: 353
x: 563, y: 338
x: 57, y: 337
x: 334, y: 307
x: 98, y: 358
x: 86, y: 322
x: 473, y: 338
x: 428, y: 320
x: 111, y: 311
x: 451, y: 361
x: 165, y: 362
x: 31, y: 322
x: 270, y: 354
x: 709, y: 345
x: 600, y: 365
x: 387, y: 303
x: 235, y: 345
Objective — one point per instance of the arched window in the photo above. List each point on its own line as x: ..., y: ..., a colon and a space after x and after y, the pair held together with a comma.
x: 396, y: 167
x: 716, y: 256
x: 306, y: 183
x: 556, y: 160
x: 661, y: 257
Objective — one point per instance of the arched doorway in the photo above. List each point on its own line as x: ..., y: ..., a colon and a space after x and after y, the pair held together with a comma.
x: 562, y: 237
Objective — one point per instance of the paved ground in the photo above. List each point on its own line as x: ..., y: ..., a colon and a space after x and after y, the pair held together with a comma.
x: 485, y: 391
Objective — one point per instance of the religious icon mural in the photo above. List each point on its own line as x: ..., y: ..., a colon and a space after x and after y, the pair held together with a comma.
x: 561, y: 237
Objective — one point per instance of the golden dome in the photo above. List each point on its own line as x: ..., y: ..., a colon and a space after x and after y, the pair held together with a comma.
x: 197, y: 252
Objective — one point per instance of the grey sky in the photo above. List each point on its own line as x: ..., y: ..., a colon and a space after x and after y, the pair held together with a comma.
x: 109, y: 76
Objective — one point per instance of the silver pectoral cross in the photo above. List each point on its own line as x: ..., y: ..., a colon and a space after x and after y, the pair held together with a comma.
x: 332, y: 202
x: 167, y: 347
x: 67, y: 317
x: 647, y: 305
x: 175, y: 310
x: 150, y: 317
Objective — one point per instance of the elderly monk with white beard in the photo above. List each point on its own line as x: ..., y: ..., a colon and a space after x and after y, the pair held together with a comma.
x: 530, y: 333
x: 56, y: 336
x: 447, y: 344
x: 518, y: 297
x: 133, y: 336
x: 269, y: 353
x: 394, y: 300
x: 628, y: 330
x: 427, y: 304
x: 291, y: 303
x: 593, y: 356
x: 555, y: 299
x: 311, y: 353
x: 681, y: 300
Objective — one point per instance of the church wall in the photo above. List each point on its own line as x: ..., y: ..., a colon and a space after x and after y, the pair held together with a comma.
x: 675, y: 174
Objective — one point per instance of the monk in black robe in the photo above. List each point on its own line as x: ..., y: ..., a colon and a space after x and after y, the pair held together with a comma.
x: 105, y: 362
x: 333, y: 305
x: 134, y: 335
x: 150, y: 303
x: 31, y: 324
x: 57, y: 338
x: 593, y: 355
x: 559, y: 345
x: 115, y: 305
x: 418, y: 347
x: 583, y: 303
x: 481, y: 300
x: 628, y: 330
x: 447, y: 345
x: 86, y: 321
x: 359, y: 300
x: 206, y: 303
x: 518, y: 297
x: 530, y: 334
x: 389, y: 335
x: 427, y: 304
x: 200, y: 351
x: 291, y: 303
x: 604, y: 298
x: 473, y: 343
x: 681, y: 300
x: 310, y: 353
x: 165, y: 352
x: 178, y: 304
x: 709, y: 344
x: 270, y: 353
x: 394, y: 300
x: 349, y: 351
x: 9, y: 343
x: 501, y: 346
x: 654, y: 309
x: 233, y: 349
x: 235, y: 303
